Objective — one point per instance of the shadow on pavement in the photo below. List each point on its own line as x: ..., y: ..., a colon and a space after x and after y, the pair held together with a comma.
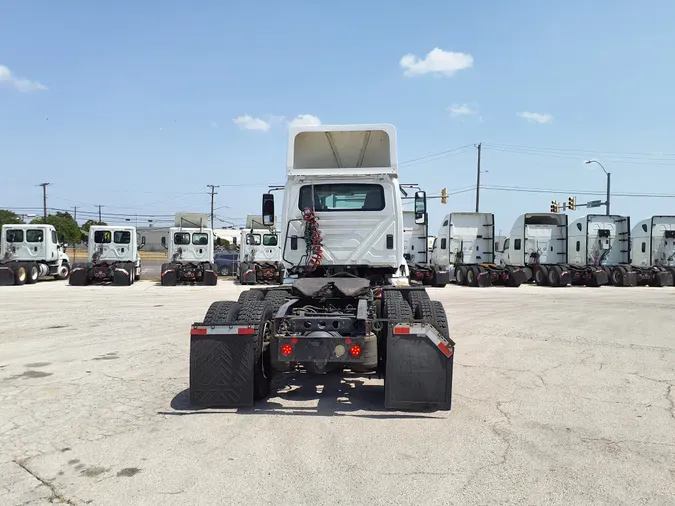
x: 336, y: 395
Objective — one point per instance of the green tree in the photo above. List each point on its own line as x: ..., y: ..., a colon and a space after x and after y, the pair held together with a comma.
x: 9, y: 217
x: 66, y: 227
x: 87, y: 225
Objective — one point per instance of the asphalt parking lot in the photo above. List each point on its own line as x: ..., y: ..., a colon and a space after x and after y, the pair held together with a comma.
x: 561, y: 396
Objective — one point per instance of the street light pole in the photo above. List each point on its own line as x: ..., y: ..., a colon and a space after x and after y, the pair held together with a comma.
x: 609, y: 178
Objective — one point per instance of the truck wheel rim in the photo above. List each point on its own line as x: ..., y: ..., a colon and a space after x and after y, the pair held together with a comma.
x: 34, y: 272
x: 22, y: 274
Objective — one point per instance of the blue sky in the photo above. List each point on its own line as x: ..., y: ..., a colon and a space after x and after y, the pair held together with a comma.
x: 132, y: 104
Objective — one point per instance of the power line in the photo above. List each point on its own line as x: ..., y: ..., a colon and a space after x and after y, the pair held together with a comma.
x: 619, y: 154
x: 440, y: 155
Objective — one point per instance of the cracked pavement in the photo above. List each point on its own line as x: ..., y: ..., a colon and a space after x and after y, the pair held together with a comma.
x: 561, y: 396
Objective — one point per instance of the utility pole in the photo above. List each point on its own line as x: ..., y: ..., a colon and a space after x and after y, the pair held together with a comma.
x: 44, y: 198
x: 478, y: 179
x: 213, y: 193
x: 609, y: 176
x: 75, y: 215
x: 99, y: 213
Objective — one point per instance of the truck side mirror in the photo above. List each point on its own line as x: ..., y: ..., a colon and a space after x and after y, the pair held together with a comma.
x: 142, y: 245
x: 268, y: 209
x: 164, y: 242
x: 421, y: 208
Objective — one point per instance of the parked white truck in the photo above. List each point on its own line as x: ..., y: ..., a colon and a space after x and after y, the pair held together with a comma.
x: 465, y: 244
x: 260, y: 257
x: 653, y: 250
x: 538, y: 243
x: 190, y: 248
x: 112, y: 257
x: 31, y: 252
x: 416, y: 253
x: 346, y: 303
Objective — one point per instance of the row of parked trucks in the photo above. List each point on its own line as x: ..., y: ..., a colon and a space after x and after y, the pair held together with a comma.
x: 546, y: 249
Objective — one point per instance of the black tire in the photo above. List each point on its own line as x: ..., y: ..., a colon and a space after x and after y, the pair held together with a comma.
x: 276, y: 298
x: 251, y: 296
x: 617, y: 276
x: 20, y: 273
x: 395, y: 307
x: 541, y: 275
x: 129, y: 266
x: 63, y: 272
x: 417, y: 298
x: 432, y: 311
x: 259, y: 313
x: 243, y: 267
x: 460, y: 275
x: 33, y: 273
x: 223, y: 311
x: 554, y: 275
x: 224, y: 270
x: 472, y: 276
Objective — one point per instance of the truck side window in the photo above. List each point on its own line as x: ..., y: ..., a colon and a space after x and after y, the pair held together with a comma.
x: 55, y: 239
x: 644, y: 247
x: 445, y: 223
x: 122, y: 237
x: 253, y: 239
x: 444, y: 243
x: 181, y: 238
x: 506, y: 244
x: 578, y: 245
x: 270, y: 240
x: 34, y: 236
x: 497, y: 246
x: 102, y: 237
x: 516, y: 244
x: 200, y: 239
x: 14, y: 235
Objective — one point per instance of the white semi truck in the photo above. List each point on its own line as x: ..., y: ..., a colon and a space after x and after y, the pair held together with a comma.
x: 538, y: 243
x: 416, y: 252
x: 260, y: 257
x: 641, y: 256
x: 190, y: 248
x: 346, y: 303
x: 31, y: 252
x: 112, y: 257
x: 465, y: 244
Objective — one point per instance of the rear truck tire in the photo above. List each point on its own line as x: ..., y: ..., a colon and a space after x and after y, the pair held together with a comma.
x: 516, y: 278
x: 541, y: 275
x: 33, y: 273
x: 132, y: 272
x: 251, y: 296
x: 416, y: 298
x: 137, y: 271
x: 617, y: 275
x: 554, y: 275
x: 169, y: 275
x: 460, y: 275
x: 418, y: 376
x: 609, y: 271
x: 62, y: 272
x: 472, y: 276
x: 20, y: 273
x: 260, y: 315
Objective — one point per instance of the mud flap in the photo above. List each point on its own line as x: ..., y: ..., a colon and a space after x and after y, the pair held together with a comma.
x: 565, y: 278
x: 221, y: 370
x: 121, y: 277
x: 663, y: 278
x: 249, y: 277
x: 418, y: 372
x: 6, y: 276
x: 484, y: 279
x: 599, y: 278
x: 518, y: 277
x: 630, y: 278
x: 210, y: 277
x: 169, y: 277
x: 79, y: 276
x: 441, y: 277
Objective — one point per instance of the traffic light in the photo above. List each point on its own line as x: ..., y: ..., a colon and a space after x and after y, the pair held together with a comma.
x: 554, y: 206
x: 444, y: 196
x: 572, y: 203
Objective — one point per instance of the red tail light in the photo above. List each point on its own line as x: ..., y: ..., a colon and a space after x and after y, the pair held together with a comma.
x: 355, y: 351
x: 286, y: 350
x: 245, y: 330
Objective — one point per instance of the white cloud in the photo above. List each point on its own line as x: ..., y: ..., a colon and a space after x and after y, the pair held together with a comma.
x: 461, y: 110
x: 437, y: 61
x: 250, y: 123
x: 7, y: 78
x: 305, y: 120
x: 535, y: 117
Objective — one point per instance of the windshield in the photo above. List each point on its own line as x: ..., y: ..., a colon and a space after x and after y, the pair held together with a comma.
x: 253, y: 239
x: 122, y: 237
x: 342, y: 197
x: 270, y: 240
